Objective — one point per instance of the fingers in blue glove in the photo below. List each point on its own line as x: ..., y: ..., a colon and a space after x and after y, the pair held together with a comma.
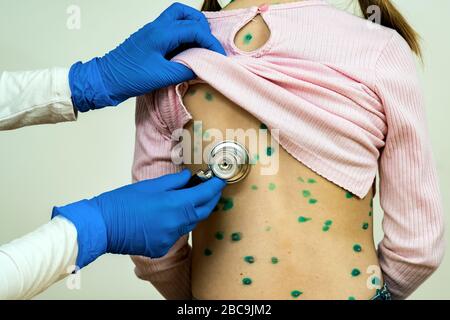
x: 205, y: 210
x: 179, y: 11
x: 193, y: 33
x: 203, y: 193
x: 198, y: 214
x: 165, y: 183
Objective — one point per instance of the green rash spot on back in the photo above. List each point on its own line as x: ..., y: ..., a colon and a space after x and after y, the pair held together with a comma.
x: 207, y: 252
x: 270, y: 151
x: 248, y: 38
x: 365, y: 226
x: 357, y: 248
x: 254, y: 187
x: 355, y: 272
x: 348, y: 195
x: 351, y: 298
x: 247, y: 281
x: 306, y: 193
x: 272, y: 186
x: 227, y: 203
x: 236, y: 236
x: 209, y: 96
x: 249, y: 259
x: 295, y: 294
x: 304, y: 219
x: 376, y: 281
x: 313, y: 201
x: 370, y: 213
x: 275, y: 260
x: 327, y: 225
x: 312, y: 181
x: 219, y: 235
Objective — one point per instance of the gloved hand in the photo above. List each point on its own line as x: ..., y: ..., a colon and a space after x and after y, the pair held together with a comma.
x: 140, y: 64
x: 145, y: 218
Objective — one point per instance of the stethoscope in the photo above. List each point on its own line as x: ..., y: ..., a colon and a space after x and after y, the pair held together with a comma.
x: 228, y: 160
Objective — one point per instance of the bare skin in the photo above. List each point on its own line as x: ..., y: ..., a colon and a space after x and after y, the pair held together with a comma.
x: 293, y: 235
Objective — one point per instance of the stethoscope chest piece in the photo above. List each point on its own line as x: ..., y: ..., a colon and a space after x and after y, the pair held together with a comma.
x: 228, y: 160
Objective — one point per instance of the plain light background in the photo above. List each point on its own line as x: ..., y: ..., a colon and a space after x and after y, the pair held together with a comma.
x: 57, y: 164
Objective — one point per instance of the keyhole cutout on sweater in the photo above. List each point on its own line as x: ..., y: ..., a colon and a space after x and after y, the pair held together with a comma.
x: 253, y: 35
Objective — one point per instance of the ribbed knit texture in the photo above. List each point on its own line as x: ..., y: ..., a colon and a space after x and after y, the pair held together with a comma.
x: 345, y: 95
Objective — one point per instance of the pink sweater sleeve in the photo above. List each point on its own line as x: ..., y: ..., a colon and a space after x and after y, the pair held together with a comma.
x: 155, y: 119
x: 413, y: 244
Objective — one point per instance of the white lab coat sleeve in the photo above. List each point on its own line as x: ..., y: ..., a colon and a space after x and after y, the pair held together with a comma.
x: 35, y: 97
x: 31, y: 264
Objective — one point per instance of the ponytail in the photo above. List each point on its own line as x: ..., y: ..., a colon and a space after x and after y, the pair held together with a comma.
x: 392, y: 18
x: 211, y: 5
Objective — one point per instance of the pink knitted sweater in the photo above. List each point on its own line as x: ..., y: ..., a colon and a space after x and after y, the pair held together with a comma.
x: 346, y: 98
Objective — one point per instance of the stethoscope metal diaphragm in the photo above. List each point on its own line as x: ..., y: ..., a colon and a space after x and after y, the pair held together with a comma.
x: 228, y: 160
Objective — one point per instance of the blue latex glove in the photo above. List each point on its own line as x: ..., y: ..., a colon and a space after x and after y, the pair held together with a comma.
x: 140, y: 64
x: 145, y: 218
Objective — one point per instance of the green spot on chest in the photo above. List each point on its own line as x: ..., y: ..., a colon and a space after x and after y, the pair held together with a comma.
x: 227, y: 203
x: 376, y: 281
x: 272, y: 186
x: 348, y: 195
x: 351, y: 298
x: 304, y: 219
x: 247, y: 281
x: 209, y: 96
x: 295, y: 294
x: 249, y: 259
x: 219, y: 235
x: 313, y: 201
x: 300, y: 179
x: 306, y: 193
x: 207, y: 252
x: 268, y: 229
x: 274, y: 260
x: 263, y: 126
x: 312, y: 181
x: 355, y: 272
x: 270, y: 151
x: 248, y: 38
x: 370, y: 213
x: 236, y: 236
x: 192, y: 92
x: 254, y: 187
x: 357, y: 248
x: 365, y: 226
x: 327, y: 225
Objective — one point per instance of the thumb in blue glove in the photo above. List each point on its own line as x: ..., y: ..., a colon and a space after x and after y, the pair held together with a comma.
x: 140, y: 64
x: 145, y: 218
